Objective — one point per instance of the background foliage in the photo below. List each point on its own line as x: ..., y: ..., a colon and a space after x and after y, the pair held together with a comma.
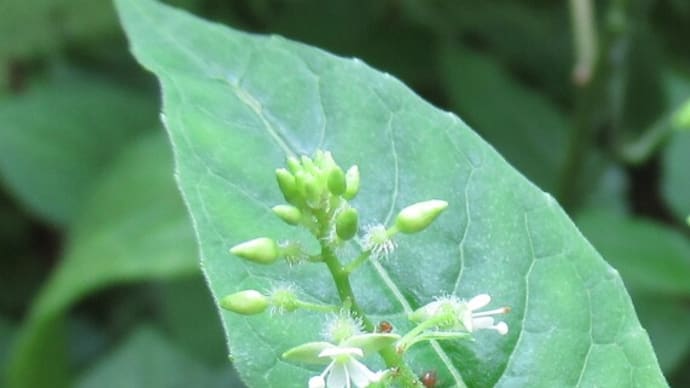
x: 99, y: 266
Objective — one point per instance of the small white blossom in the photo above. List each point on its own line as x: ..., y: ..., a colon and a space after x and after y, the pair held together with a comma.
x: 464, y: 312
x: 317, y: 382
x: 344, y: 369
x: 476, y: 320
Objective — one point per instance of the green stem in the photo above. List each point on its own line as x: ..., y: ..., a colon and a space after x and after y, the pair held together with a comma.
x: 354, y: 264
x: 342, y: 284
x: 341, y: 277
x: 412, y: 334
x: 323, y: 308
x: 584, y: 77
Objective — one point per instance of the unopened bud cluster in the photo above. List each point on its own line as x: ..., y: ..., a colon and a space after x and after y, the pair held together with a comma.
x: 317, y: 190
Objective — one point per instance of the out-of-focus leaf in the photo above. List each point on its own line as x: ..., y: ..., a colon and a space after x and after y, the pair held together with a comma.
x: 33, y: 27
x: 608, y: 190
x: 501, y: 31
x: 192, y: 320
x: 363, y: 29
x: 677, y: 93
x: 527, y: 129
x: 7, y: 334
x: 86, y: 340
x: 148, y: 360
x: 233, y: 115
x: 644, y: 97
x: 56, y: 138
x: 675, y: 184
x: 667, y: 321
x: 654, y: 261
x: 649, y: 256
x: 22, y: 268
x: 676, y: 175
x: 133, y: 227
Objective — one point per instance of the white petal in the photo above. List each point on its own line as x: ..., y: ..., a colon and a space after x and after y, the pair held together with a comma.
x: 338, y: 377
x: 360, y: 374
x: 317, y: 382
x: 501, y: 328
x: 482, y: 323
x: 378, y: 376
x: 479, y: 301
x: 341, y: 351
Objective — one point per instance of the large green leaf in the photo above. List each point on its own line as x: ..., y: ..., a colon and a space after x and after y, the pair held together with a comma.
x: 236, y: 104
x: 147, y: 360
x: 56, y: 138
x: 133, y: 227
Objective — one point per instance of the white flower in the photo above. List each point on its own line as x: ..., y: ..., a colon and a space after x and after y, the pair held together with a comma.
x: 344, y: 369
x: 450, y: 311
x: 317, y: 382
x: 476, y: 320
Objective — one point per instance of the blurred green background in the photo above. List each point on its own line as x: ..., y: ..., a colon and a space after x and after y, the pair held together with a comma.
x: 99, y: 282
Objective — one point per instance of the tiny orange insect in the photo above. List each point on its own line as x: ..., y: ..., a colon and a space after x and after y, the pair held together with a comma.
x: 385, y: 327
x: 429, y: 379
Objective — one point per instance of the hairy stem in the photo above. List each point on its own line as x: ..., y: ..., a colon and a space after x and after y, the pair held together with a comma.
x: 341, y: 277
x: 356, y: 263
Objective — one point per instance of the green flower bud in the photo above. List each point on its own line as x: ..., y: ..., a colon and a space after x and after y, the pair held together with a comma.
x: 301, y: 178
x: 309, y: 166
x: 320, y: 159
x: 248, y: 302
x: 261, y: 250
x: 351, y: 182
x: 287, y: 184
x: 312, y: 191
x: 346, y: 223
x: 328, y: 160
x: 417, y: 217
x: 294, y: 165
x: 336, y: 180
x: 288, y: 213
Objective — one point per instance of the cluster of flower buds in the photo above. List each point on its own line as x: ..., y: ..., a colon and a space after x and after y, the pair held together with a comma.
x: 317, y: 191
